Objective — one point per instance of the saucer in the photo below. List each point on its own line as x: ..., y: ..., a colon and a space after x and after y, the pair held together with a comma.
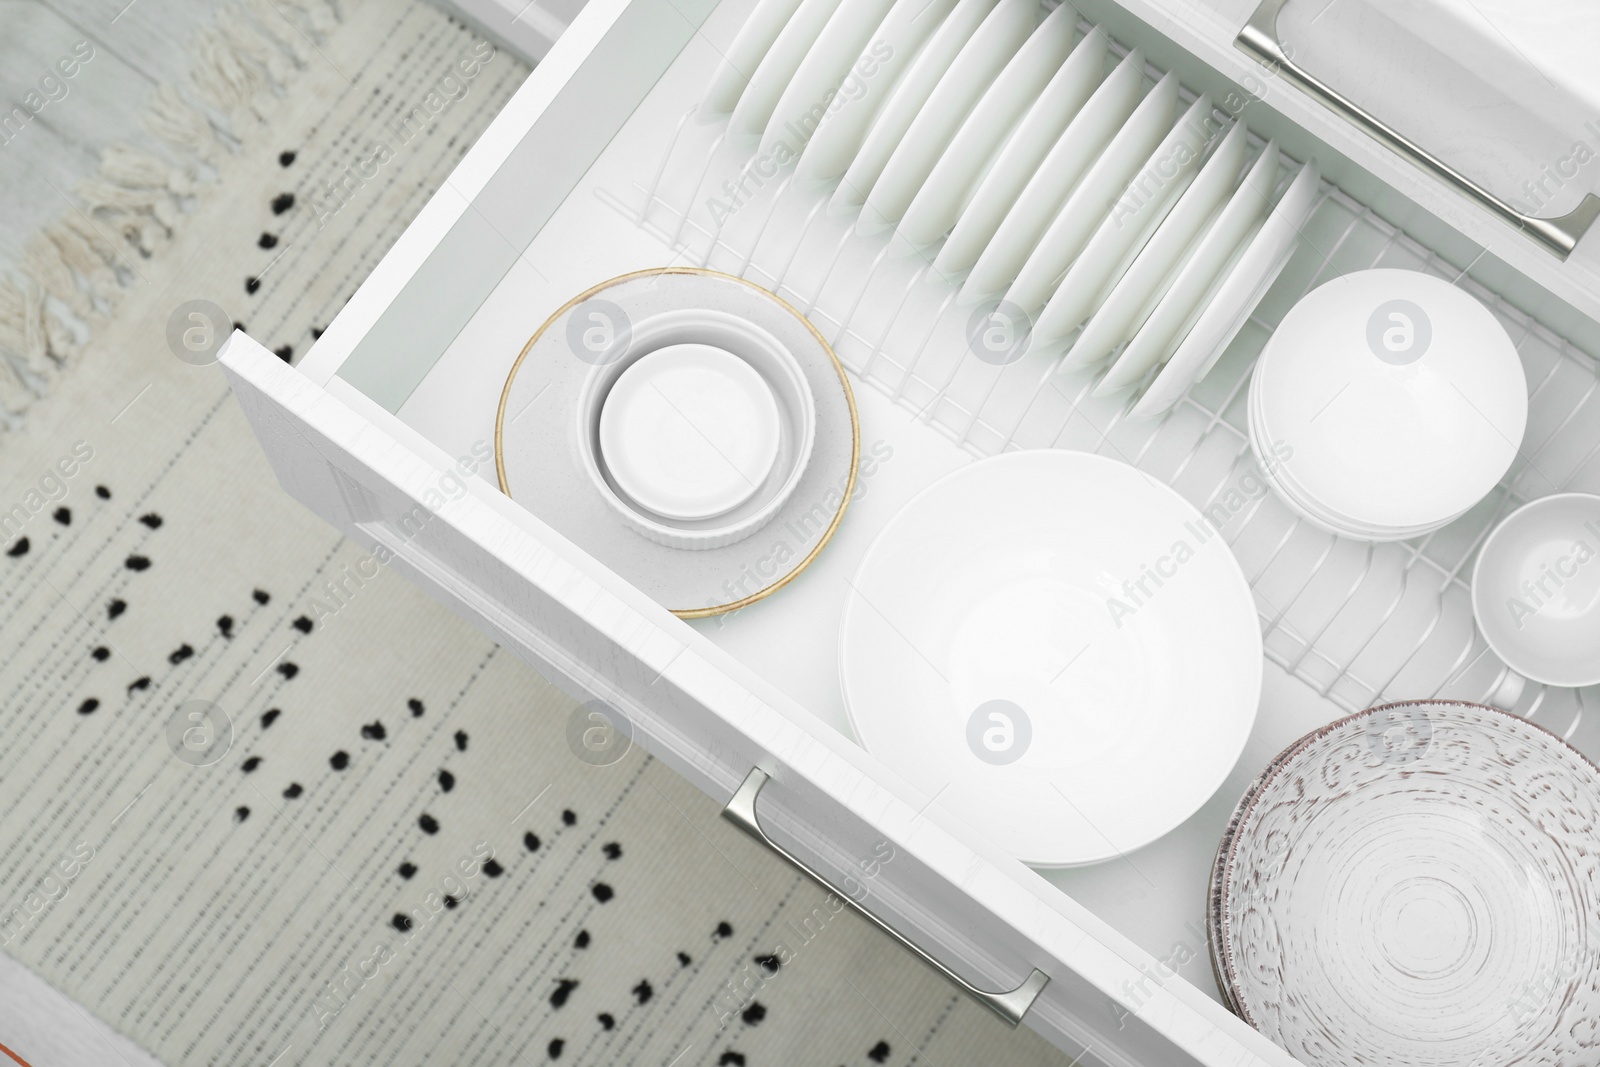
x: 1057, y: 646
x: 539, y: 452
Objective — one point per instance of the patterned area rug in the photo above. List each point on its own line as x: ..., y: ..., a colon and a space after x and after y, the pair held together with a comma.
x: 264, y: 803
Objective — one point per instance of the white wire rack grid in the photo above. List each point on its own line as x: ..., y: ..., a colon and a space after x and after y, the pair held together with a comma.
x: 1361, y: 623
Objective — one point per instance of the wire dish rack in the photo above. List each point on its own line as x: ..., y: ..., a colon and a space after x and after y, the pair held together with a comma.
x: 1360, y: 623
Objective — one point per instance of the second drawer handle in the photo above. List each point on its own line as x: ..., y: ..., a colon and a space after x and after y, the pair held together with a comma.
x: 1011, y: 1005
x: 1259, y: 39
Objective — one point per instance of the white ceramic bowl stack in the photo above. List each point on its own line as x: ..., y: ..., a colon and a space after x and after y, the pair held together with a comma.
x: 1386, y: 404
x: 1118, y: 220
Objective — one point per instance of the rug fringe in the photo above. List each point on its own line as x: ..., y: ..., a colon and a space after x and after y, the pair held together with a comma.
x: 74, y: 271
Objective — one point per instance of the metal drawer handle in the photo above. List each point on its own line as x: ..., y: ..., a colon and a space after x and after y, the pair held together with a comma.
x: 1259, y: 39
x: 1010, y: 1006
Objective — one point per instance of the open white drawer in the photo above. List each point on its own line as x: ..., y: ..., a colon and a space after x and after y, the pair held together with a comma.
x: 384, y: 427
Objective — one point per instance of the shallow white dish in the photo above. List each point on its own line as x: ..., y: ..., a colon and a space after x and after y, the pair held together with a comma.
x: 1131, y: 222
x: 983, y: 58
x: 1091, y: 202
x: 1414, y: 885
x: 910, y: 95
x: 1536, y: 590
x: 689, y: 431
x: 1392, y: 438
x: 1231, y: 302
x: 1072, y: 157
x: 1016, y: 579
x: 1164, y: 324
x: 777, y: 69
x: 816, y: 81
x: 1157, y: 266
x: 934, y: 208
x: 887, y: 55
x: 1022, y: 155
x: 750, y: 46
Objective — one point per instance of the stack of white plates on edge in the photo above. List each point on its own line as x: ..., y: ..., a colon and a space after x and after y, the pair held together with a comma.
x: 1386, y: 404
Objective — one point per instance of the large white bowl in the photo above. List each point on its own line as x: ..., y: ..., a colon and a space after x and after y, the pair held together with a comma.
x: 1401, y: 399
x: 1536, y: 590
x: 997, y: 649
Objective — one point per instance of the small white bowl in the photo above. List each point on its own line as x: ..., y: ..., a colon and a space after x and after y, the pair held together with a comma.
x: 707, y: 511
x: 1536, y: 590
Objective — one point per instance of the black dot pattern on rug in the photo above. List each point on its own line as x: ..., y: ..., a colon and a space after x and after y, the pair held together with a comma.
x: 530, y: 841
x: 241, y: 813
x: 267, y: 240
x: 770, y: 964
x: 288, y: 670
x: 251, y: 284
x: 606, y: 1020
x: 731, y: 1058
x: 753, y: 1015
x: 62, y: 515
x: 339, y: 760
x: 447, y: 781
x: 303, y: 624
x: 582, y: 940
x: 643, y: 991
x: 20, y: 548
x: 401, y: 922
x: 429, y: 824
x: 270, y: 716
x: 493, y: 869
x: 116, y: 607
x: 602, y: 892
x: 225, y: 626
x: 101, y: 654
x: 723, y: 930
x: 179, y: 654
x: 555, y: 1047
x: 416, y: 707
x: 284, y: 352
x: 261, y: 596
x: 684, y: 960
x: 316, y: 332
x: 374, y: 731
x: 102, y: 492
x: 88, y: 706
x: 139, y: 684
x: 237, y: 325
x: 612, y: 850
x: 461, y: 740
x: 407, y: 870
x: 137, y: 563
x: 564, y: 988
x: 294, y: 790
x: 282, y: 202
x: 250, y: 764
x: 450, y: 902
x: 285, y: 158
x: 568, y: 818
x: 879, y: 1053
x: 151, y: 520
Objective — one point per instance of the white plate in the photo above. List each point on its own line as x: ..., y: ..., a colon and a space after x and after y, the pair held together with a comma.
x: 750, y: 46
x: 1118, y: 318
x: 1022, y: 155
x: 980, y: 61
x: 1162, y: 327
x: 814, y: 86
x: 1413, y: 885
x: 1241, y: 290
x: 772, y: 77
x: 1536, y: 590
x: 1133, y: 219
x: 938, y: 202
x: 1071, y: 157
x: 908, y: 98
x: 1092, y: 201
x: 879, y: 66
x: 1005, y: 581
